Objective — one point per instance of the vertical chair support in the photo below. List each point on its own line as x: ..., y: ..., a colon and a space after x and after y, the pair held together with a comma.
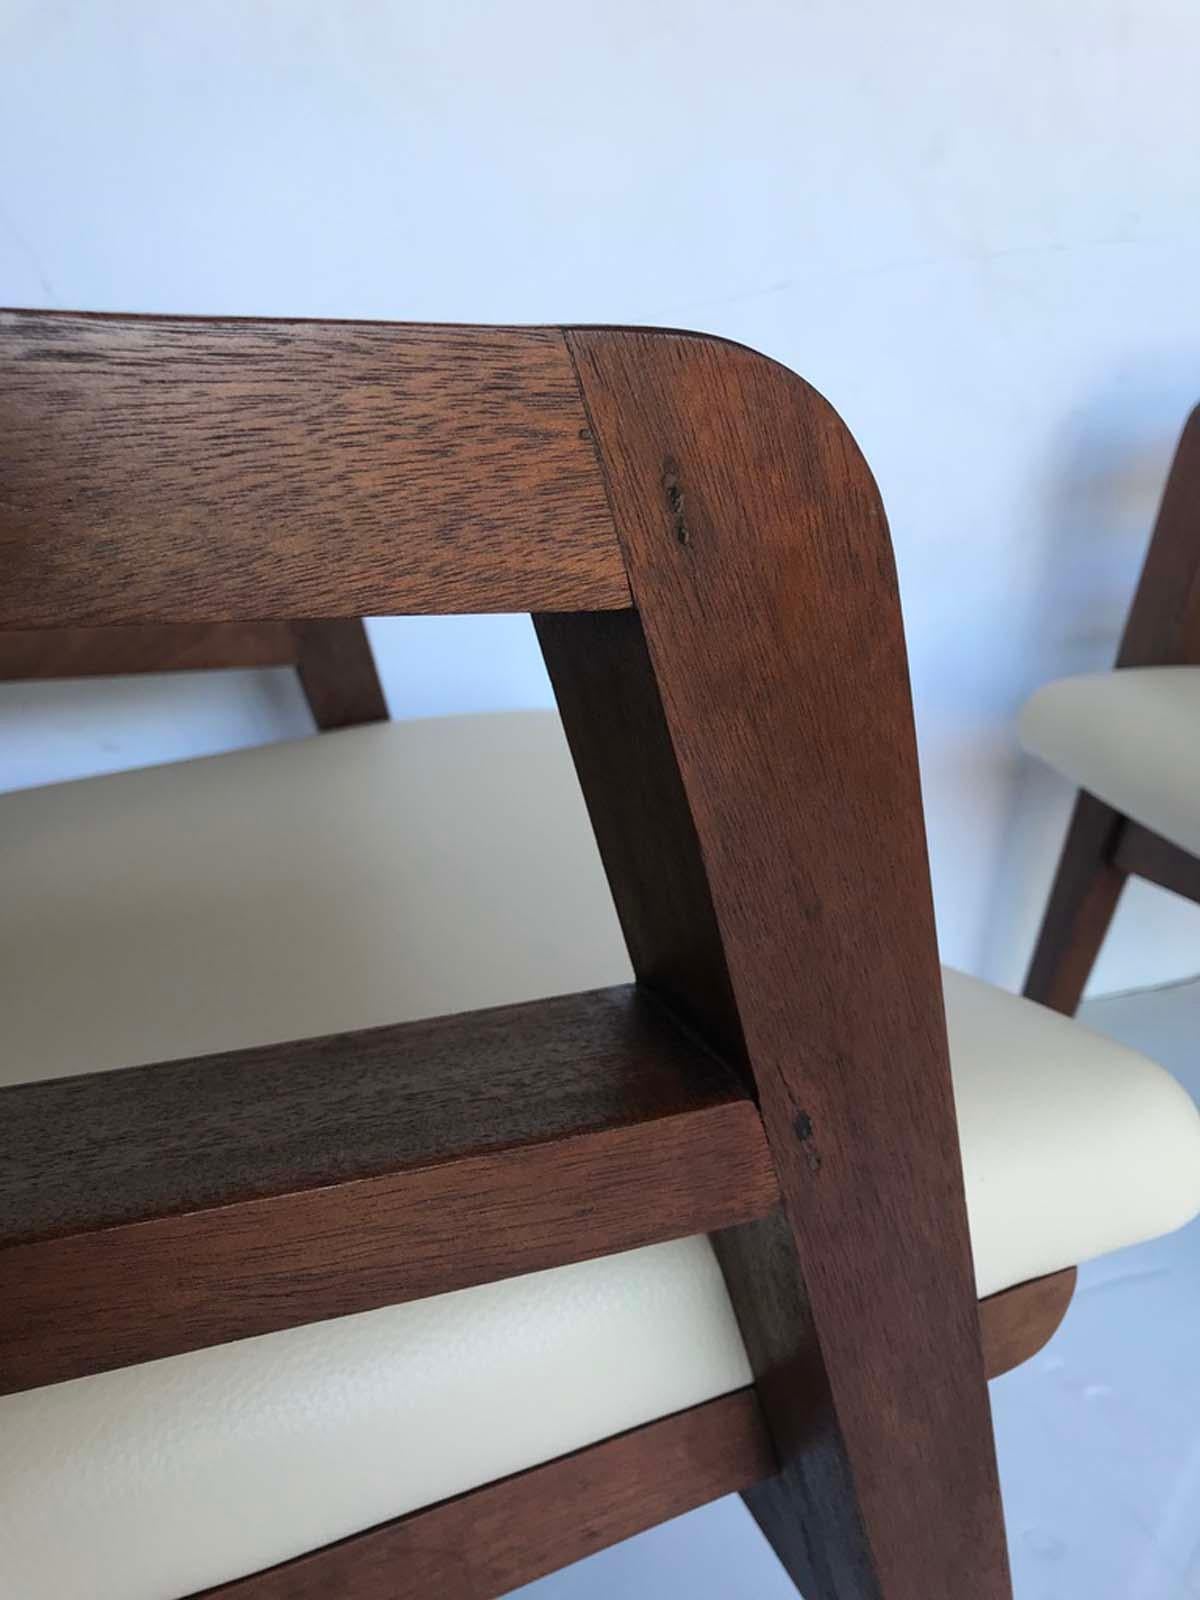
x: 744, y: 739
x: 745, y: 745
x: 1162, y: 630
x: 337, y: 673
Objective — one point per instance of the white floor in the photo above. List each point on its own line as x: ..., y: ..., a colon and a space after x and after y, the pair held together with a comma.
x: 1098, y: 1436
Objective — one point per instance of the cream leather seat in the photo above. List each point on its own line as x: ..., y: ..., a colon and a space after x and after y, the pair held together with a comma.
x: 370, y: 876
x: 1130, y: 737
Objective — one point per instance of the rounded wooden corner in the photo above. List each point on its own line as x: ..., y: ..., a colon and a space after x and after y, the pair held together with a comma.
x: 762, y: 436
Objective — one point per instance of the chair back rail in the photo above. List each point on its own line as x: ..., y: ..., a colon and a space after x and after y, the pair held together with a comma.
x: 186, y: 470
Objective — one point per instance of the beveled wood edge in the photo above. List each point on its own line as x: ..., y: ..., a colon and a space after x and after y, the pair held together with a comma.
x: 503, y: 1534
x: 596, y: 579
x: 1146, y: 854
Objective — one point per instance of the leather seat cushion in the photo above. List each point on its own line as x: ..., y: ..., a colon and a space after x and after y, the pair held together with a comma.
x: 371, y: 876
x: 1130, y: 737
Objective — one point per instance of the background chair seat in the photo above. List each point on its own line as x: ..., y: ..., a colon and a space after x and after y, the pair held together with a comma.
x: 371, y: 876
x: 1130, y: 738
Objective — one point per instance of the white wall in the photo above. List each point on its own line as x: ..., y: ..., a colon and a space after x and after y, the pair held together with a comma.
x: 974, y: 228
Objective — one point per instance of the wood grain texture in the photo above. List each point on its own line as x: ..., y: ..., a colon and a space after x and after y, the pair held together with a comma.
x: 115, y: 652
x: 1017, y: 1322
x: 485, y: 1543
x: 1083, y: 900
x: 159, y: 1209
x: 510, y: 1532
x: 165, y: 470
x: 337, y: 673
x: 606, y: 693
x: 760, y: 565
x: 1149, y: 855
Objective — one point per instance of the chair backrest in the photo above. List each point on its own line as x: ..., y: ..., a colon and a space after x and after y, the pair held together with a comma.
x: 708, y: 564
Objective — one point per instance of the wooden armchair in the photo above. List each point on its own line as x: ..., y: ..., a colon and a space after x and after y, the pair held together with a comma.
x: 708, y: 565
x: 1130, y: 739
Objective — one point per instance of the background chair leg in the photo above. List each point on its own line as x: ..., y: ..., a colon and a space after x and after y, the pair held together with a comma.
x: 1086, y: 889
x: 337, y: 673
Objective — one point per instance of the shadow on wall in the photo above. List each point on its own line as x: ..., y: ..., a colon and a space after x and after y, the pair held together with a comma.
x: 1105, y: 477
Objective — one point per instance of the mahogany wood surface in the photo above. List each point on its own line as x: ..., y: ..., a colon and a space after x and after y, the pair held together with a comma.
x: 760, y: 564
x: 337, y: 673
x: 484, y: 1543
x: 507, y: 1533
x: 114, y: 652
x: 158, y: 1209
x: 604, y: 685
x: 160, y: 469
x: 1148, y: 855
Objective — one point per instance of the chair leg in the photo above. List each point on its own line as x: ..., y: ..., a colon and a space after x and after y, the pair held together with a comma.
x: 864, y: 1344
x: 337, y: 673
x: 744, y: 743
x: 1084, y: 897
